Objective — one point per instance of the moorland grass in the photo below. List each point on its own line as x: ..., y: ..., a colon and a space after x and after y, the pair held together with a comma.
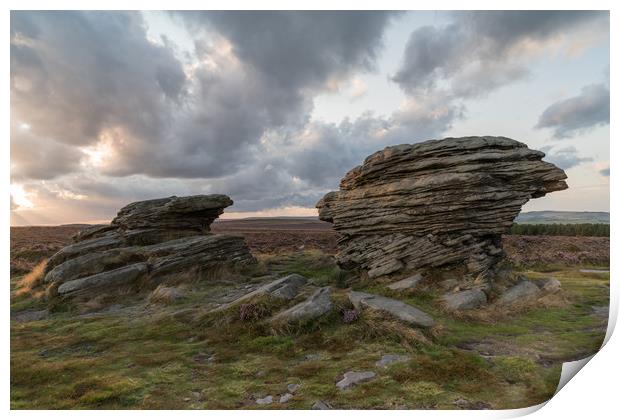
x: 168, y: 357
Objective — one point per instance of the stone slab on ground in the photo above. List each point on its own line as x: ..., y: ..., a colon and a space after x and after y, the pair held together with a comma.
x: 352, y: 378
x: 396, y: 308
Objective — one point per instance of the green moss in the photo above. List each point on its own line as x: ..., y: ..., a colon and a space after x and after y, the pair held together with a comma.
x: 515, y: 369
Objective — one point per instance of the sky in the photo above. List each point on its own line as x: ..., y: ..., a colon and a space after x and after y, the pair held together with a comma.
x: 273, y: 108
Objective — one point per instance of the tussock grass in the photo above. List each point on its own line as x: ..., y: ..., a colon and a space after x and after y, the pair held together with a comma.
x: 166, y: 295
x: 30, y: 284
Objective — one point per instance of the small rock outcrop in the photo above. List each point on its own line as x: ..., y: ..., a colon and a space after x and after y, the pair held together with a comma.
x: 149, y: 242
x: 440, y: 203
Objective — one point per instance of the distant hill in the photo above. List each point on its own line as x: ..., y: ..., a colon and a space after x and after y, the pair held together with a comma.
x: 565, y: 217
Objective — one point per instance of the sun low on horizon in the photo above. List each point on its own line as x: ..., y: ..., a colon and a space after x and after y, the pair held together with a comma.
x: 109, y: 108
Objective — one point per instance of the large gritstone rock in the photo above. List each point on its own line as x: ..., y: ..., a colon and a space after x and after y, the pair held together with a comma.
x: 148, y: 243
x: 440, y: 203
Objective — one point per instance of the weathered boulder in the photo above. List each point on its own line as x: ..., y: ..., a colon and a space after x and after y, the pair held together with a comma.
x: 318, y: 304
x: 466, y: 299
x: 149, y: 242
x: 396, y: 308
x: 195, y: 212
x: 519, y: 292
x: 440, y: 203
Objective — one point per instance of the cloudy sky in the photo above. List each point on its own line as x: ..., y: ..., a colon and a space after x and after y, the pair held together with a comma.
x: 273, y: 108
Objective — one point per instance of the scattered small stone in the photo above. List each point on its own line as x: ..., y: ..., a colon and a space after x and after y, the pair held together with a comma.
x: 284, y: 398
x: 292, y: 387
x: 388, y: 359
x: 408, y: 283
x: 322, y: 405
x: 187, y: 399
x: 353, y: 378
x: 264, y: 401
x: 312, y: 357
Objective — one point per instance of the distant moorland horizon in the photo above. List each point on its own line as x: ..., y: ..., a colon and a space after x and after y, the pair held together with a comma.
x: 539, y: 216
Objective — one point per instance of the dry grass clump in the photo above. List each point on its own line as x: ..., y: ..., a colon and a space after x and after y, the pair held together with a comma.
x: 494, y: 313
x: 166, y: 295
x: 374, y: 324
x: 31, y: 282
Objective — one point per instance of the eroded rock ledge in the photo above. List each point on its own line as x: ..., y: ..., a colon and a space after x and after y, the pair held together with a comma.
x: 149, y: 242
x: 440, y: 203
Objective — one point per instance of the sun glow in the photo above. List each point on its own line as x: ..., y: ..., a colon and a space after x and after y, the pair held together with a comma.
x: 101, y: 153
x: 19, y: 196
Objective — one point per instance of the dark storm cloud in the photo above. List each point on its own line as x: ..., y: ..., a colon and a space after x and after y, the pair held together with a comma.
x: 74, y: 74
x: 40, y: 158
x: 578, y: 114
x: 564, y: 158
x: 236, y: 118
x: 476, y: 53
x: 297, y: 50
x: 84, y: 77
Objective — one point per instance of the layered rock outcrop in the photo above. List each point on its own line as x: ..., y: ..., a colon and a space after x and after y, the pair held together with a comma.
x: 148, y: 243
x: 440, y: 203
